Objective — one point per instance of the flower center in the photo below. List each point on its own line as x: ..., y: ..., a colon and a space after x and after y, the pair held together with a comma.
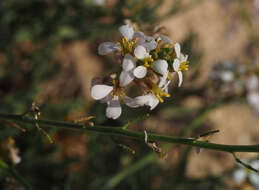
x: 147, y: 61
x: 117, y: 90
x: 127, y: 46
x: 184, y: 66
x: 159, y: 93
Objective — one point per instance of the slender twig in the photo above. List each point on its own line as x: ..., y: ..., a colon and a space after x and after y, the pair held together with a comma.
x: 133, y: 134
x: 244, y: 164
x: 151, y: 157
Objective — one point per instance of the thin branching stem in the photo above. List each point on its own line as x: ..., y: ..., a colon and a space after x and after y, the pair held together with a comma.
x: 133, y: 134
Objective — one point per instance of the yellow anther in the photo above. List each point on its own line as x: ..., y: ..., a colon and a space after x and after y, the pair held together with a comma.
x: 159, y: 93
x: 147, y: 61
x: 128, y: 46
x: 184, y: 66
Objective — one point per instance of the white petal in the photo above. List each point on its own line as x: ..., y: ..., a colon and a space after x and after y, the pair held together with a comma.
x: 176, y: 65
x: 163, y: 80
x: 140, y: 72
x: 183, y: 57
x: 160, y: 66
x: 126, y: 78
x: 127, y: 31
x: 130, y: 102
x: 239, y: 175
x: 165, y: 87
x: 107, y: 47
x: 106, y: 99
x: 113, y: 109
x: 150, y: 45
x: 177, y: 49
x: 140, y: 36
x: 180, y: 75
x: 165, y: 39
x: 140, y: 52
x: 147, y: 100
x: 128, y: 63
x: 153, y: 103
x: 99, y: 91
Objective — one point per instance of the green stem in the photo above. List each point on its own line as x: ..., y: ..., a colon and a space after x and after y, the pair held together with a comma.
x: 133, y: 134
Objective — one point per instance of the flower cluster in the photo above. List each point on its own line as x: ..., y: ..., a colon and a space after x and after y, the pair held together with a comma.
x: 145, y: 61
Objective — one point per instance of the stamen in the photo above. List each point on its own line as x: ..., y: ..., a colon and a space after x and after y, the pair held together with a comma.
x: 147, y: 61
x: 159, y: 93
x: 184, y: 66
x: 127, y: 46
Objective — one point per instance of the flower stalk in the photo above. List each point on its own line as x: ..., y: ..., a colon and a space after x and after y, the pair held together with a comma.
x: 119, y: 131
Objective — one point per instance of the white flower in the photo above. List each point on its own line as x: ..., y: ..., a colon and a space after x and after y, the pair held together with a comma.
x: 241, y: 174
x: 146, y: 41
x: 108, y: 47
x: 146, y: 100
x: 103, y: 93
x: 180, y: 59
x: 130, y: 71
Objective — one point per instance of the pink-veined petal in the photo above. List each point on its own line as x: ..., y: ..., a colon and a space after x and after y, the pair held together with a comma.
x: 128, y: 63
x: 113, y: 109
x: 107, y: 47
x: 127, y: 31
x: 140, y: 72
x: 126, y: 78
x: 160, y: 66
x: 99, y: 91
